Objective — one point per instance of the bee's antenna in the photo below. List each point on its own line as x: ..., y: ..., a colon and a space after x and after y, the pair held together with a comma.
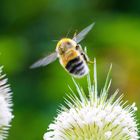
x: 55, y: 40
x: 68, y: 32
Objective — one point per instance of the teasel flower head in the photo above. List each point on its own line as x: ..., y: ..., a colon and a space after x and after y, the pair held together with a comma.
x: 94, y: 116
x: 5, y: 106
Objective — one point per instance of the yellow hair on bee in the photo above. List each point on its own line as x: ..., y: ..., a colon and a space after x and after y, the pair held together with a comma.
x: 69, y: 56
x: 63, y: 40
x: 66, y: 54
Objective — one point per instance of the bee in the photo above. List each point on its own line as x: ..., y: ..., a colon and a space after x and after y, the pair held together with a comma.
x: 70, y: 54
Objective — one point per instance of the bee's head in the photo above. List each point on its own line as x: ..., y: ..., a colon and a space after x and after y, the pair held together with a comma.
x: 65, y: 45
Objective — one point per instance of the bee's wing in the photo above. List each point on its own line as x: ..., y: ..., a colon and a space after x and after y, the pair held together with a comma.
x: 45, y: 61
x: 78, y: 38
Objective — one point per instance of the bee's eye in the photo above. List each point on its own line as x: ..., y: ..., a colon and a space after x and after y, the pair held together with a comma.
x: 68, y: 43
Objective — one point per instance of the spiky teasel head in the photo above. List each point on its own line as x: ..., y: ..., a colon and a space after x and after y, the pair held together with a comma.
x: 5, y: 106
x: 97, y: 117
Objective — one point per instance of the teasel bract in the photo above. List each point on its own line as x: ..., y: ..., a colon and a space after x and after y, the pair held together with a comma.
x: 94, y: 117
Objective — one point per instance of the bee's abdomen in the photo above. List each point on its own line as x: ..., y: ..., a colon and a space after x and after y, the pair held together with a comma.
x: 77, y: 67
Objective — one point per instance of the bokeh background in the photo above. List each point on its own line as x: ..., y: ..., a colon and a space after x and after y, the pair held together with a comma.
x: 27, y: 31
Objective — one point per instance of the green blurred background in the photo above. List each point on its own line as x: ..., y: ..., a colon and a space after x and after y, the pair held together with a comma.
x: 27, y: 31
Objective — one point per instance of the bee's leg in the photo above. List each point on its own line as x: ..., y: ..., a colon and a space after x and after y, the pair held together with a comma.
x: 90, y: 62
x: 87, y: 58
x: 84, y: 53
x: 79, y: 48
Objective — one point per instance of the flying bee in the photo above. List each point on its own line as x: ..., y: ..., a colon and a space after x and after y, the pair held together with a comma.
x: 71, y: 55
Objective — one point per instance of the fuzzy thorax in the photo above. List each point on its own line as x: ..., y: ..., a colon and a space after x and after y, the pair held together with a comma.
x: 64, y: 45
